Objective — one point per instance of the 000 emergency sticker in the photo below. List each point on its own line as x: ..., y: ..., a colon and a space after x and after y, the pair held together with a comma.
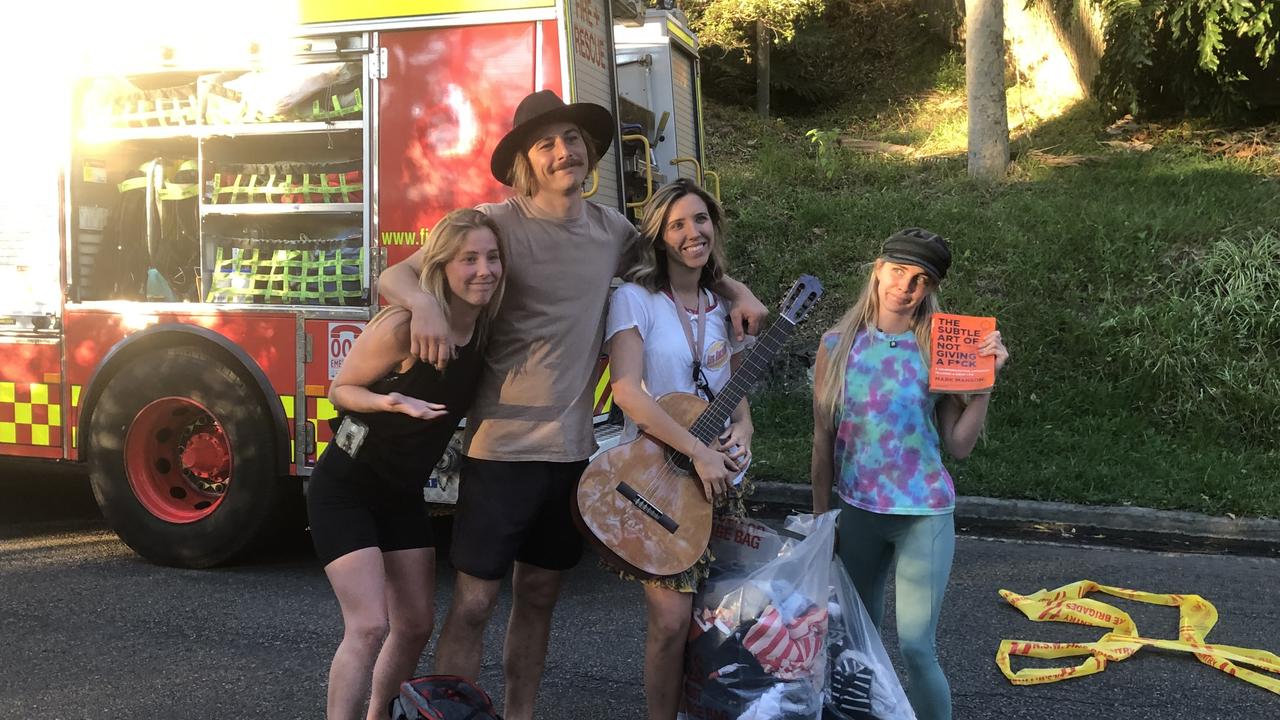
x: 341, y: 337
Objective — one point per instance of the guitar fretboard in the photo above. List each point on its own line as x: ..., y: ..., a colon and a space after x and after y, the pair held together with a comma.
x: 710, y: 424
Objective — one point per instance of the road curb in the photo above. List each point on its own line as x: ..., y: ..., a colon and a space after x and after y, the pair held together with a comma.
x: 1175, y: 525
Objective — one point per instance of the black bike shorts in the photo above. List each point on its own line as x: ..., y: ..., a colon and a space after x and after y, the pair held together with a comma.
x: 509, y: 511
x: 351, y: 506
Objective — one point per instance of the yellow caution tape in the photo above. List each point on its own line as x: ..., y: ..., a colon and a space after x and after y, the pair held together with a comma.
x: 1068, y: 604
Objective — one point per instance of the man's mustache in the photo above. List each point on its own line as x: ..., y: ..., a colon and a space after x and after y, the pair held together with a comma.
x: 566, y: 164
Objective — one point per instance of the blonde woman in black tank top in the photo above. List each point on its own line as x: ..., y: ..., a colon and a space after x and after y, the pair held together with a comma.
x: 368, y: 518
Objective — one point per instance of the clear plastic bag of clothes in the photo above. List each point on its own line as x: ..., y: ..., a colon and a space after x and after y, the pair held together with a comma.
x: 778, y: 632
x: 758, y: 642
x: 861, y: 684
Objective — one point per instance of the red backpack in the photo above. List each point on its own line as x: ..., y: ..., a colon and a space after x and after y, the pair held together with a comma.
x: 442, y: 697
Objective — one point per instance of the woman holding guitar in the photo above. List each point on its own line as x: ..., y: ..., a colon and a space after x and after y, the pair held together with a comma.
x: 668, y: 332
x: 878, y: 437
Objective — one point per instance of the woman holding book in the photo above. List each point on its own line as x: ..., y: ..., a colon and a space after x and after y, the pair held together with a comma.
x: 878, y: 439
x: 667, y: 331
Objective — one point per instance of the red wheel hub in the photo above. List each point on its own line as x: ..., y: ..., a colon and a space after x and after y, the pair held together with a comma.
x: 178, y: 459
x: 207, y: 455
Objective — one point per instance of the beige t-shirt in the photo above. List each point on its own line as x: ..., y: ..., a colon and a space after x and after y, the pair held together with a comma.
x: 535, y: 397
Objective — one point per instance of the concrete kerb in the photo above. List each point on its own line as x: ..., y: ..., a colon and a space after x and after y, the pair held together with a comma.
x: 1175, y: 525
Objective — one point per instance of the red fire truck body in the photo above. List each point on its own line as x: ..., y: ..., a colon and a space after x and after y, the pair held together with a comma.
x: 218, y: 253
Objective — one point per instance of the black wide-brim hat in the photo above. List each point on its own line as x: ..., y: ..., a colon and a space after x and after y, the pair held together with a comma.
x: 543, y: 108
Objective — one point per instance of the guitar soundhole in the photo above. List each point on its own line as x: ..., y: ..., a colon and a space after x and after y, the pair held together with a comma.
x: 682, y: 461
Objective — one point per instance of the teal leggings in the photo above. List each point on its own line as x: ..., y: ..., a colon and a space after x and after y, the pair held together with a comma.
x: 922, y: 548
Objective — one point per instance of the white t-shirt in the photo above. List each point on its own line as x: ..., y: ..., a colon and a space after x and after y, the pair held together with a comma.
x: 668, y: 362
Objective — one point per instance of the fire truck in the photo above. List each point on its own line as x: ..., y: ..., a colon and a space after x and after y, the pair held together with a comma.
x: 190, y: 256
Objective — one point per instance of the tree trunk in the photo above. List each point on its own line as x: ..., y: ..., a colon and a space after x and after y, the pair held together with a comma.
x: 763, y: 42
x: 984, y: 78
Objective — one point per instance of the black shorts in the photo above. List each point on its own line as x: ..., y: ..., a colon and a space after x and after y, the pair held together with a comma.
x: 351, y: 506
x: 510, y: 511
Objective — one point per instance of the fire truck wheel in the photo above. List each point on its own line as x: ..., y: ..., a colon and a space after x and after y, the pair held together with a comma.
x: 181, y: 461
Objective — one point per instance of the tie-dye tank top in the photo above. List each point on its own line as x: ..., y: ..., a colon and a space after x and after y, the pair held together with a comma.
x: 887, y: 452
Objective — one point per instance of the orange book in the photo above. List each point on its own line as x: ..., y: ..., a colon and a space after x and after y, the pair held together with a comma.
x: 954, y: 363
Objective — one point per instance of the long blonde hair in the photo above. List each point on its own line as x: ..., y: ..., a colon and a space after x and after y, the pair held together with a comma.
x: 441, y: 246
x: 650, y: 270
x: 862, y: 316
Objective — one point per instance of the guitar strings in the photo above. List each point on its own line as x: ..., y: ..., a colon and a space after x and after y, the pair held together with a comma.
x: 659, y: 488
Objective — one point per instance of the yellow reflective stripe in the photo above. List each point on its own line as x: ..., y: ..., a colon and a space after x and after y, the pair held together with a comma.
x: 8, y: 432
x: 22, y: 413
x: 75, y: 396
x: 55, y: 415
x: 325, y: 409
x: 8, y: 392
x: 319, y: 11
x: 39, y: 434
x: 39, y: 394
x: 177, y: 191
x: 679, y: 32
x: 132, y: 184
x: 288, y: 402
x: 601, y: 386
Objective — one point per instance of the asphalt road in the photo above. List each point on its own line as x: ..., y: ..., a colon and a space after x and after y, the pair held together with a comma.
x: 88, y: 630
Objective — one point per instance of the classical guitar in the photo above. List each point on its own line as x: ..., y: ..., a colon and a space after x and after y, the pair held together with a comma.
x: 640, y: 503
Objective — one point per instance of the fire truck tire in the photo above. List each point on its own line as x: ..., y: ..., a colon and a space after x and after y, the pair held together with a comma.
x: 181, y: 459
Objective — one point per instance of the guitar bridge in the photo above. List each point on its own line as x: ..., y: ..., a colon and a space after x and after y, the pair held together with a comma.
x: 666, y: 521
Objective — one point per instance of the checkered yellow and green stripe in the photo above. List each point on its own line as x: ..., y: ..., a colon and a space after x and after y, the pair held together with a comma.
x: 287, y: 402
x: 31, y: 413
x: 319, y: 411
x: 75, y: 410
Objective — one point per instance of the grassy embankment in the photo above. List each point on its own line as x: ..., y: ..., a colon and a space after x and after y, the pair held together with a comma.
x: 1138, y: 290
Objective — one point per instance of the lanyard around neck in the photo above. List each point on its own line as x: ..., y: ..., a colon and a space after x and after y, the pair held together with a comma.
x: 695, y: 348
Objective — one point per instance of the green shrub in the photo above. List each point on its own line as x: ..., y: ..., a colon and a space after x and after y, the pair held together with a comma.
x: 1166, y: 57
x: 951, y: 75
x: 850, y: 50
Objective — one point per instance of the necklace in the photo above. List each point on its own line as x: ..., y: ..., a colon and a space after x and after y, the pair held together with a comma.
x: 893, y: 342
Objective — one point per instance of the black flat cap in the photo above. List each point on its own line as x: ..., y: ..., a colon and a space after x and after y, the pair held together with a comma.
x: 919, y: 247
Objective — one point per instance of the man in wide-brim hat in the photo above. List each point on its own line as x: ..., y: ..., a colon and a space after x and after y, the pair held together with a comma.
x: 529, y: 432
x: 543, y: 116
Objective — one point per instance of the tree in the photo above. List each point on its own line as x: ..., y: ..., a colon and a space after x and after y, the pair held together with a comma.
x: 1167, y: 57
x: 762, y: 68
x: 984, y: 79
x: 750, y: 26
